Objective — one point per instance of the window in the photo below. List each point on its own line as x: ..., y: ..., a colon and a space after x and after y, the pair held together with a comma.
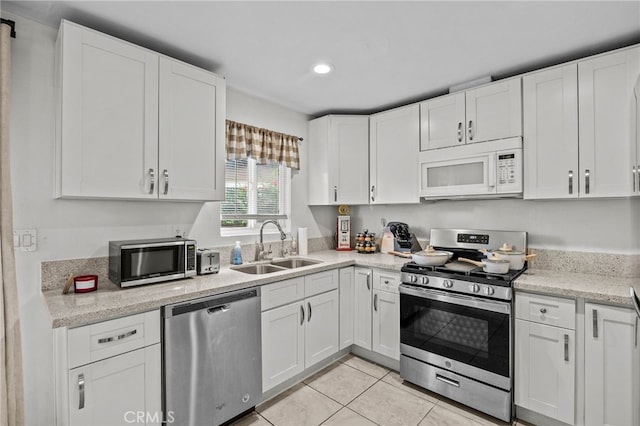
x: 253, y: 194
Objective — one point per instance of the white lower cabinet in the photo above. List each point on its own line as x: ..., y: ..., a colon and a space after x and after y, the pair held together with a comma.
x: 117, y: 390
x: 282, y: 344
x: 386, y: 323
x: 545, y: 354
x: 377, y: 311
x: 109, y: 372
x: 612, y: 366
x: 362, y: 298
x: 298, y: 332
x: 347, y: 288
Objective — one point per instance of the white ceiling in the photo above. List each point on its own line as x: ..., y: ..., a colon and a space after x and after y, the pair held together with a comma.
x: 384, y: 53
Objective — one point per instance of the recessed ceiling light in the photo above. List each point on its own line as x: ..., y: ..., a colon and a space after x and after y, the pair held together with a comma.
x: 322, y: 68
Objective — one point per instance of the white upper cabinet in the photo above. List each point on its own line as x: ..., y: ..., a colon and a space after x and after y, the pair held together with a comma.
x: 192, y: 113
x: 579, y: 128
x: 635, y: 147
x: 494, y: 111
x: 442, y: 122
x: 134, y: 124
x: 394, y: 138
x: 606, y: 98
x: 338, y: 166
x: 489, y: 112
x: 551, y: 133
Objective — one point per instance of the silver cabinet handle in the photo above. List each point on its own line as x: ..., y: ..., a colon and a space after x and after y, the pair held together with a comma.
x: 118, y: 337
x: 460, y: 131
x: 570, y: 181
x: 595, y: 323
x: 152, y: 181
x: 309, y: 306
x: 80, y: 391
x: 543, y: 310
x: 375, y: 302
x: 335, y: 194
x: 470, y: 130
x: 373, y: 189
x: 301, y: 314
x: 566, y: 347
x: 368, y: 278
x: 166, y: 181
x: 633, y: 178
x: 448, y: 380
x: 587, y: 175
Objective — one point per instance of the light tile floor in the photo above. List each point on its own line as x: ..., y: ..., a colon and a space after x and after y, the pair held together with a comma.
x: 355, y: 392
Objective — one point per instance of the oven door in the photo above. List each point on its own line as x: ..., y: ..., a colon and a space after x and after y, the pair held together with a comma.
x: 150, y: 263
x: 468, y: 335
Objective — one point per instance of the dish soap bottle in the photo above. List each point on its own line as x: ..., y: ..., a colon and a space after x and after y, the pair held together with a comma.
x: 236, y: 254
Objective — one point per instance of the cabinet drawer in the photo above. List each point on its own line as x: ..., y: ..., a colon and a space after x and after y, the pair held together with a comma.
x: 320, y: 282
x: 281, y: 293
x: 102, y: 340
x: 387, y: 281
x: 556, y: 311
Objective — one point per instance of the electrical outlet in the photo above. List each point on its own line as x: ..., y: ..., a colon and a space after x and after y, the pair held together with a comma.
x: 179, y: 231
x: 25, y: 239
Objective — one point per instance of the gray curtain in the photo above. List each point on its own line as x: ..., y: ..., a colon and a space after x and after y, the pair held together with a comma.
x: 11, y: 386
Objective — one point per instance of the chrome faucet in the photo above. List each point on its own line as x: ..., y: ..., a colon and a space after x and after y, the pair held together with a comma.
x: 260, y: 253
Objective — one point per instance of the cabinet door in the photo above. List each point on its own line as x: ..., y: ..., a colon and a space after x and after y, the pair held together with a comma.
x: 117, y: 390
x: 347, y: 287
x: 545, y: 370
x: 362, y: 308
x: 393, y: 156
x: 349, y: 148
x: 550, y: 100
x: 282, y: 344
x: 321, y: 338
x: 494, y: 111
x: 606, y: 84
x: 442, y: 122
x: 192, y: 132
x: 386, y: 324
x: 108, y: 139
x: 321, y: 168
x: 612, y: 366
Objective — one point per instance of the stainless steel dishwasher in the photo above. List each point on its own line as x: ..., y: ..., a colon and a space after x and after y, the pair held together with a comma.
x: 212, y: 363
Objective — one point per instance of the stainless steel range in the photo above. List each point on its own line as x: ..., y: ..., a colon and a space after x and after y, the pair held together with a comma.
x: 456, y: 328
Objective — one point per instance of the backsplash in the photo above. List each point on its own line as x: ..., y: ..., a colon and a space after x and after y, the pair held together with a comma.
x: 618, y: 265
x: 55, y: 273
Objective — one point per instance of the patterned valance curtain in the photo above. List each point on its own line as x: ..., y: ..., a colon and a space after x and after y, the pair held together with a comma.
x: 263, y: 145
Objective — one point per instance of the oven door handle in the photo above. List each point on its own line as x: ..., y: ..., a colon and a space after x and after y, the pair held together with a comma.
x: 456, y: 299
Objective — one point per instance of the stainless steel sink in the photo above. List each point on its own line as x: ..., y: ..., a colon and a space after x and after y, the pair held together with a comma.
x: 294, y: 262
x: 258, y: 268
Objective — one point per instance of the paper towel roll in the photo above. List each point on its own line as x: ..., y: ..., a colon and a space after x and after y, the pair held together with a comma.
x: 302, y: 241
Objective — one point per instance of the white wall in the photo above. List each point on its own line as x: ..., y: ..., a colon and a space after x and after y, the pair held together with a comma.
x: 580, y: 225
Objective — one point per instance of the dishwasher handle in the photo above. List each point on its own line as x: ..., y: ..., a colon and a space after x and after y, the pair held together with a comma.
x: 217, y: 303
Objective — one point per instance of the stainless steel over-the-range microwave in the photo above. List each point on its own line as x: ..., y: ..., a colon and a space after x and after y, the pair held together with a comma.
x: 138, y: 262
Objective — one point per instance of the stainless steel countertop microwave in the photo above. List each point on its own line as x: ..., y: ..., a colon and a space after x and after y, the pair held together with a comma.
x: 138, y: 262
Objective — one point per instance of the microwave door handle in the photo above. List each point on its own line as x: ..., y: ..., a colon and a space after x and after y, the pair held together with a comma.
x: 492, y: 171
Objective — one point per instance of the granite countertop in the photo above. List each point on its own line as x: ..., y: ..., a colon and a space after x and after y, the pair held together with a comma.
x: 591, y: 287
x: 111, y: 301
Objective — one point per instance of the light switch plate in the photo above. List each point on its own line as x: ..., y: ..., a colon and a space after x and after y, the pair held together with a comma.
x: 25, y: 239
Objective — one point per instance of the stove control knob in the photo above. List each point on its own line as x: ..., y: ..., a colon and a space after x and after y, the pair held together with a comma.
x: 489, y: 291
x: 413, y: 278
x: 447, y: 283
x: 425, y: 280
x: 474, y: 288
